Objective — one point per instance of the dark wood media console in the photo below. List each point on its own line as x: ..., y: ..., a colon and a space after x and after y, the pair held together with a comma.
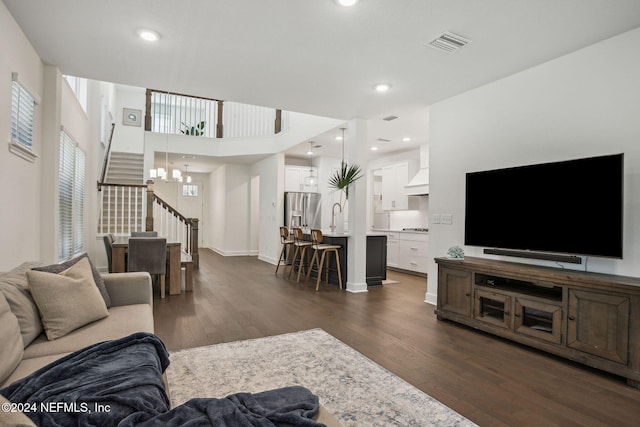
x: 590, y: 318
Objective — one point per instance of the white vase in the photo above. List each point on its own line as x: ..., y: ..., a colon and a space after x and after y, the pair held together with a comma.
x: 340, y: 222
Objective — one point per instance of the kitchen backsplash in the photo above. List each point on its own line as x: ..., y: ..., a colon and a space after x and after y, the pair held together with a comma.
x: 410, y: 219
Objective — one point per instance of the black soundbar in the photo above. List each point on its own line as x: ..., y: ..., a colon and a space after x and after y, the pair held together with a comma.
x: 572, y: 259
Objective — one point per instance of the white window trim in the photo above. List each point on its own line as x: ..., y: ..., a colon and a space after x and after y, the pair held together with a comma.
x: 22, y: 152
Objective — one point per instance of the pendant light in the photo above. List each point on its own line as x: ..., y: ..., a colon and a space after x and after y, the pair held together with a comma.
x: 342, y: 162
x: 161, y: 173
x: 310, y: 180
x: 186, y: 174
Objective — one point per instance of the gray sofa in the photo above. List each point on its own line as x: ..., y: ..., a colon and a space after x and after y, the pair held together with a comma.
x: 131, y: 311
x: 25, y: 347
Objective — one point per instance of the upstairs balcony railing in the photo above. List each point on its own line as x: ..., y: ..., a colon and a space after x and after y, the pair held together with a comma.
x: 175, y: 113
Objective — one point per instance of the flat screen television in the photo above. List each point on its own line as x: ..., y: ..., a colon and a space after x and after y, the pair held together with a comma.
x: 570, y: 207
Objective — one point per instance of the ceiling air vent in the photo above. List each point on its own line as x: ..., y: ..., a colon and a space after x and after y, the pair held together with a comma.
x: 389, y: 118
x: 448, y: 42
x: 383, y: 140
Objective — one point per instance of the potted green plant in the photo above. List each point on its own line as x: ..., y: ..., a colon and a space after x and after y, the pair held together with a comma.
x: 343, y: 177
x: 196, y: 130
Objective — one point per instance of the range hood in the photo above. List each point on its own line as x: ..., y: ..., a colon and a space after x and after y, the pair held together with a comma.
x: 419, y: 184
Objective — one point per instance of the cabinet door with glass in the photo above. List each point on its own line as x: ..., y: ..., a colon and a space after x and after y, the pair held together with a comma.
x: 538, y: 319
x: 493, y: 308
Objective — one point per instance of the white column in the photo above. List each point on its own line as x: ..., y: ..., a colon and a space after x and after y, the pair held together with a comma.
x: 357, y: 248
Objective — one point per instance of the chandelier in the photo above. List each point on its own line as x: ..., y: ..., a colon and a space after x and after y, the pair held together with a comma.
x: 310, y: 180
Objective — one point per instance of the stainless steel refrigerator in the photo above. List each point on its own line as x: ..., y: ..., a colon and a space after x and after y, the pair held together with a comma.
x: 302, y: 210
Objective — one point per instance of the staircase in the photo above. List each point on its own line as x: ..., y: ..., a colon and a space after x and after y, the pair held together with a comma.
x: 122, y: 206
x: 125, y: 168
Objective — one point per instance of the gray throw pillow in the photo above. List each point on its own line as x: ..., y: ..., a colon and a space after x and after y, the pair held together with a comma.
x: 68, y: 300
x: 97, y: 277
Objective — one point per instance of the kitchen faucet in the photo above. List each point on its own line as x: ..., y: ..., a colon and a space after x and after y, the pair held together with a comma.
x: 333, y: 216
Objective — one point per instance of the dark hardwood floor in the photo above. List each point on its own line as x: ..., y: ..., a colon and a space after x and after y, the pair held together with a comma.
x: 491, y: 381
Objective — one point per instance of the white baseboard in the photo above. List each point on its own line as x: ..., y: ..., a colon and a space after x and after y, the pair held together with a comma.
x: 431, y: 298
x: 229, y: 253
x: 357, y: 287
x: 270, y: 260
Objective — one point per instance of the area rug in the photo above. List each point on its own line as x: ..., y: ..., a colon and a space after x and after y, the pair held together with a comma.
x: 355, y: 389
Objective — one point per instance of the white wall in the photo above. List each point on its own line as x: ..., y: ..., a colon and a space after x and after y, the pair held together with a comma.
x: 128, y: 139
x: 271, y: 173
x: 20, y: 220
x: 214, y: 234
x: 229, y: 216
x: 237, y: 205
x: 583, y: 104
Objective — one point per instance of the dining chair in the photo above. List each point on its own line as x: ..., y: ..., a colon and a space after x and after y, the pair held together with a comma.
x: 108, y: 242
x: 144, y: 234
x: 286, y: 242
x: 149, y: 254
x: 318, y: 246
x: 301, y: 245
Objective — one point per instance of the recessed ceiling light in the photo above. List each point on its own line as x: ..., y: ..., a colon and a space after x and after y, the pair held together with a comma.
x: 374, y: 148
x: 406, y: 139
x: 148, y: 35
x: 382, y: 87
x: 346, y: 2
x: 338, y: 138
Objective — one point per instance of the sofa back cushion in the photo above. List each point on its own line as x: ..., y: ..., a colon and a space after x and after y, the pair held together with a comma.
x: 12, y: 347
x: 15, y: 287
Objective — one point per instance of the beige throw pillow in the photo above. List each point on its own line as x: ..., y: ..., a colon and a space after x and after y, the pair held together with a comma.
x: 67, y: 300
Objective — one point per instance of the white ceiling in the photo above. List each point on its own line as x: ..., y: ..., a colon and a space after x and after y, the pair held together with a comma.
x: 313, y: 56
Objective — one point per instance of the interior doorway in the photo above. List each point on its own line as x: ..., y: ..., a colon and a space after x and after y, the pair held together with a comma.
x: 190, y: 203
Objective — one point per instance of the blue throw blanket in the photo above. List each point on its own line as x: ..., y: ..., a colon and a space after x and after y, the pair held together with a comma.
x: 119, y: 383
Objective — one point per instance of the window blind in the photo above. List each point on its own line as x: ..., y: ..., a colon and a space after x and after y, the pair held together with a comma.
x: 22, y: 115
x: 71, y: 190
x: 78, y: 203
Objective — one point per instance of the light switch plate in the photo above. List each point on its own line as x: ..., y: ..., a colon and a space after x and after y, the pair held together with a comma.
x: 435, y: 219
x: 447, y: 219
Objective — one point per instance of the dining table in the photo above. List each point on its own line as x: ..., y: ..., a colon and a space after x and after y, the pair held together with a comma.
x: 120, y: 248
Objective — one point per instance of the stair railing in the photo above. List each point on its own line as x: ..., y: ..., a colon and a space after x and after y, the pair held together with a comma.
x: 168, y: 222
x: 107, y: 157
x: 126, y: 208
x: 121, y: 208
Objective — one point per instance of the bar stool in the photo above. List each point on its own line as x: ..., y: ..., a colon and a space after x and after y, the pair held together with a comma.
x: 286, y: 242
x: 301, y: 245
x: 318, y: 246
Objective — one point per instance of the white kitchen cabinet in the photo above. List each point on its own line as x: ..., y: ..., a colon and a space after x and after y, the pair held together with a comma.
x: 294, y: 179
x: 413, y: 252
x: 392, y: 249
x: 394, y: 178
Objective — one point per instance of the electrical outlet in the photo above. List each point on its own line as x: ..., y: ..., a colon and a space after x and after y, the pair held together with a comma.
x: 435, y: 219
x: 447, y: 219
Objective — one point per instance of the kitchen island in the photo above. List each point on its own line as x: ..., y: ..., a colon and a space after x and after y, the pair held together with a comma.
x: 376, y: 270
